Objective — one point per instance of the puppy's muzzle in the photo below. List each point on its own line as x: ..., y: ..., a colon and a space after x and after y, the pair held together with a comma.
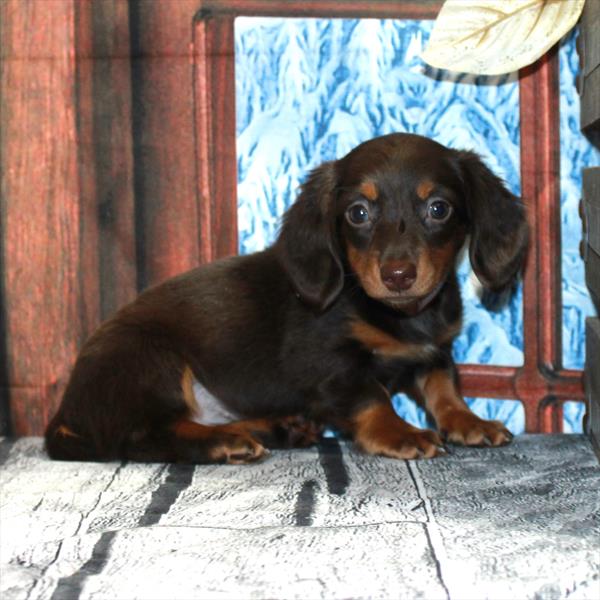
x: 398, y: 275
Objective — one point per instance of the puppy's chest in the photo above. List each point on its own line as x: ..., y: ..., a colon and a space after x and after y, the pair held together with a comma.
x: 402, y: 343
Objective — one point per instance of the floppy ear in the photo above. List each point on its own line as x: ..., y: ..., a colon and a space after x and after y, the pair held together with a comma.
x: 307, y: 245
x: 498, y: 230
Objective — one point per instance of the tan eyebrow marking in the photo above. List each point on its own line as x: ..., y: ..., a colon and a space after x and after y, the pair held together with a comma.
x: 369, y: 190
x: 425, y: 188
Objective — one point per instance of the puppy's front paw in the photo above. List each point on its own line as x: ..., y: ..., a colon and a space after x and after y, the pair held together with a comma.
x: 404, y: 444
x: 298, y: 432
x: 464, y: 427
x: 286, y: 432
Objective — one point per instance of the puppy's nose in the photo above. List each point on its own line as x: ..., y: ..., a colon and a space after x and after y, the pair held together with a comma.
x: 398, y: 275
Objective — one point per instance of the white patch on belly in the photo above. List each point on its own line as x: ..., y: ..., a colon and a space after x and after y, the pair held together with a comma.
x: 209, y: 409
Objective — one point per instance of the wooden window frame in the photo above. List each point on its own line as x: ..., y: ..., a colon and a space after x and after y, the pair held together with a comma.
x: 541, y: 384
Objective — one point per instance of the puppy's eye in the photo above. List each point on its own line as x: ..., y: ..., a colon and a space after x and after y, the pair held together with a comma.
x: 439, y: 210
x: 358, y: 214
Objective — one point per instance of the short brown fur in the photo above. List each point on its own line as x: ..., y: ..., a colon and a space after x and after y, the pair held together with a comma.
x: 453, y: 417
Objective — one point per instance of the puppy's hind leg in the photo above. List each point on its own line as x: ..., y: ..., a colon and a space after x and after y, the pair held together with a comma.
x: 131, y: 404
x: 195, y: 443
x: 234, y: 443
x: 294, y: 431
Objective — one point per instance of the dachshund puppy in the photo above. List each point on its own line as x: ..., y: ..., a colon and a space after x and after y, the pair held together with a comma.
x: 356, y: 300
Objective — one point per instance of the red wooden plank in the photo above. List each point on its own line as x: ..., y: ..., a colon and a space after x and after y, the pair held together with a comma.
x: 540, y: 175
x: 488, y: 381
x: 380, y: 9
x: 110, y: 117
x: 214, y: 88
x: 42, y: 237
x: 164, y: 146
x: 82, y: 105
x: 67, y: 169
x: 541, y: 381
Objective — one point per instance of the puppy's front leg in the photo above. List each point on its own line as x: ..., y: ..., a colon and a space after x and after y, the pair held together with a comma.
x: 454, y: 419
x: 377, y: 429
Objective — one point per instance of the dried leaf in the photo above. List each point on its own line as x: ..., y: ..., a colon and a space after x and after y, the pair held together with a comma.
x: 490, y: 37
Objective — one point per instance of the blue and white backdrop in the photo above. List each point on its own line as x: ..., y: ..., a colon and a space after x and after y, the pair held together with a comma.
x: 309, y: 90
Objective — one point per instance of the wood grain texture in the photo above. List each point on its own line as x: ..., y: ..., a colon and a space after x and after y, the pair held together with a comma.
x: 591, y: 206
x: 214, y: 96
x: 540, y: 188
x: 67, y: 196
x: 592, y: 275
x: 164, y: 145
x: 589, y: 79
x: 113, y: 211
x: 591, y: 242
x: 539, y: 381
x: 347, y: 9
x: 592, y: 379
x: 43, y: 240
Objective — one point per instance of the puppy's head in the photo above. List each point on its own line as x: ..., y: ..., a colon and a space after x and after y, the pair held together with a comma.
x: 394, y: 213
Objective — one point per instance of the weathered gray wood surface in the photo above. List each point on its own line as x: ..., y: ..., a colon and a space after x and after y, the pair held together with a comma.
x: 516, y: 522
x: 590, y: 66
x: 592, y: 377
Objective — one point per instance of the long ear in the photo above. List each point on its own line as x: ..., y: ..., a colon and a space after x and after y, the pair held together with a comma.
x: 307, y: 246
x: 499, y: 232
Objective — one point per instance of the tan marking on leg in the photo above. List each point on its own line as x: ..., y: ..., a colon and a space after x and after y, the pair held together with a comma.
x: 379, y: 430
x: 452, y: 415
x: 381, y: 343
x: 187, y: 389
x: 189, y: 430
x: 440, y: 392
x: 248, y: 426
x: 369, y: 190
x: 232, y: 443
x: 66, y: 432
